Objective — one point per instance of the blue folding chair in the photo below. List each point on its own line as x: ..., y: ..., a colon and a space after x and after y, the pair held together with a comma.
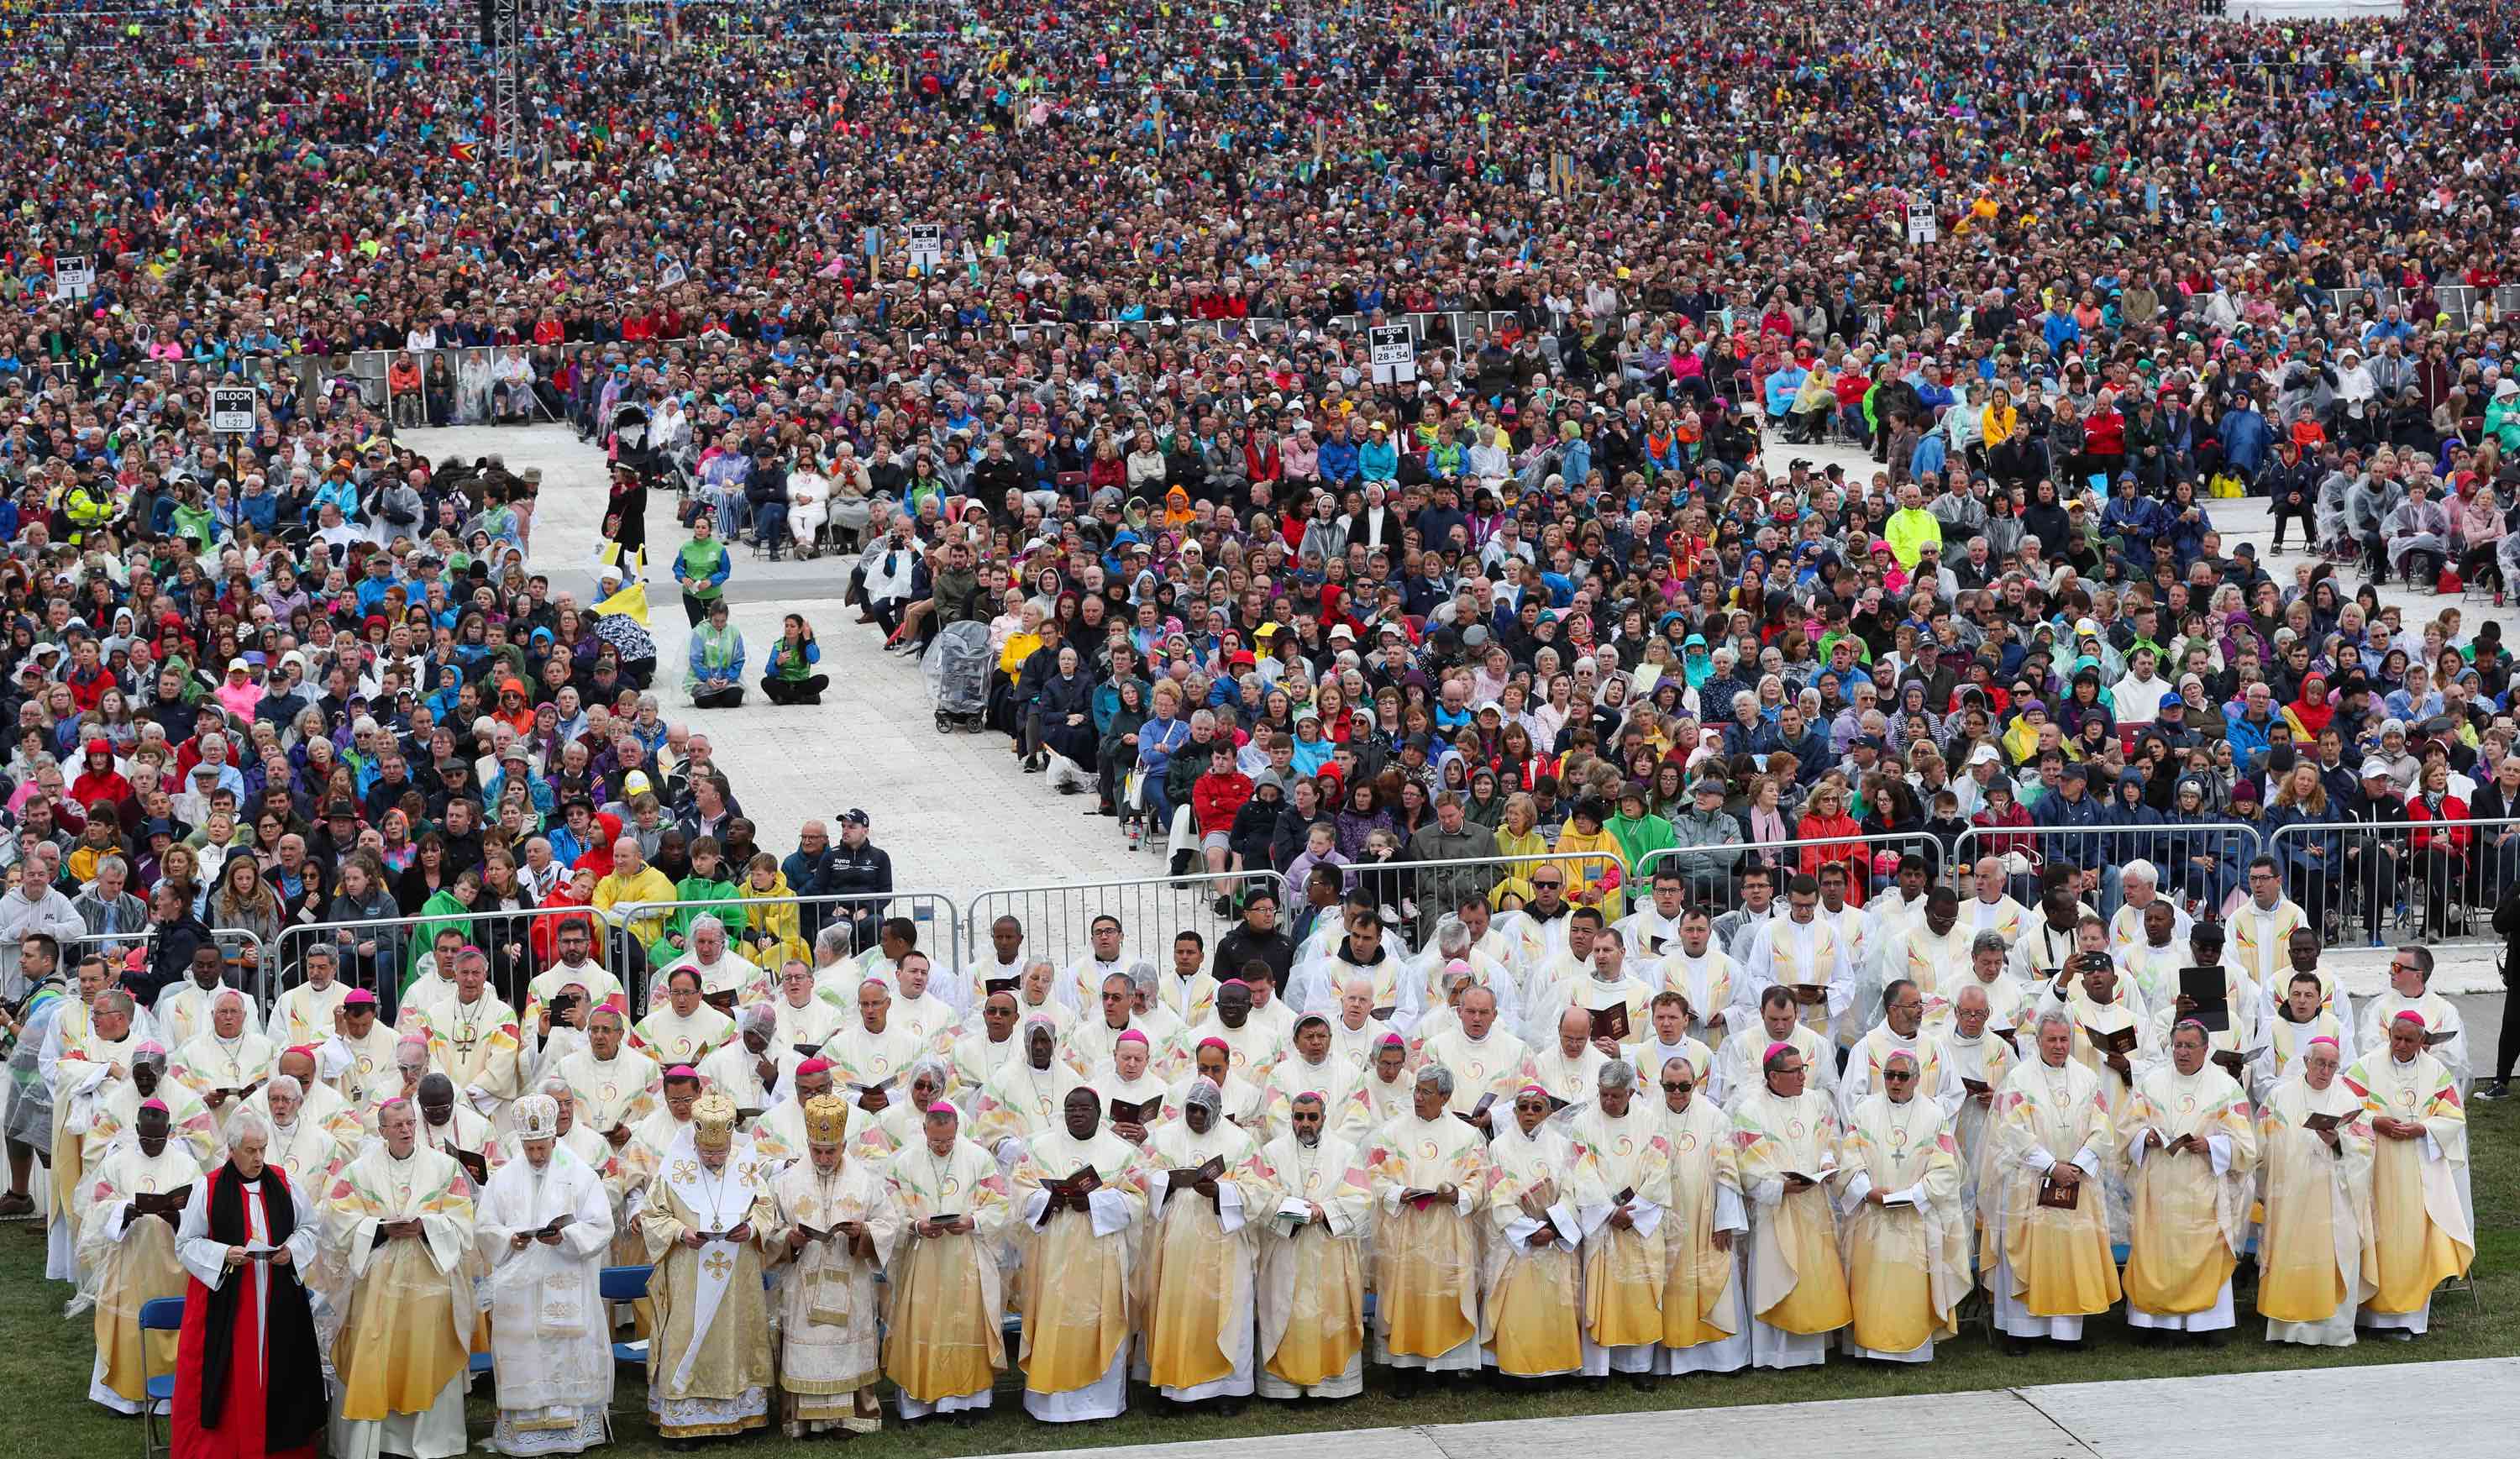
x: 624, y: 1284
x: 158, y: 1315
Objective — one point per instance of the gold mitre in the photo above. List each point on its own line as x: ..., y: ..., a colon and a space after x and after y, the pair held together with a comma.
x: 714, y: 1122
x: 827, y: 1121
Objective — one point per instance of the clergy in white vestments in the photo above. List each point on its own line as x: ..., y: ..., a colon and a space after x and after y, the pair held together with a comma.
x: 612, y: 1088
x: 2045, y: 1251
x: 837, y: 1224
x: 1806, y: 955
x: 1354, y: 1032
x: 685, y: 1028
x: 2140, y: 885
x: 474, y: 1040
x: 1737, y: 1063
x: 745, y: 1068
x: 1487, y: 1063
x: 1786, y: 1136
x: 305, y: 1014
x: 1311, y: 1277
x: 942, y: 1347
x: 1385, y: 1090
x: 2315, y: 1150
x: 183, y: 1009
x: 226, y: 1063
x: 2410, y: 991
x: 1251, y: 1046
x: 1080, y: 983
x: 1930, y: 951
x: 727, y: 977
x: 1019, y: 1098
x: 1700, y: 971
x: 1902, y: 1030
x: 1195, y: 1335
x: 1568, y: 1063
x: 1989, y: 907
x: 127, y: 1238
x: 399, y: 1217
x: 980, y: 1052
x: 803, y: 1021
x: 1429, y: 1175
x: 1083, y: 1190
x: 1981, y: 1062
x: 2422, y: 1233
x: 543, y: 1226
x: 1245, y: 1104
x: 1670, y: 1039
x: 708, y: 1211
x: 1310, y: 1067
x: 1531, y: 1307
x: 2261, y: 927
x: 1616, y: 1003
x: 1705, y: 1317
x: 1622, y: 1176
x: 2300, y: 1019
x: 1898, y: 1192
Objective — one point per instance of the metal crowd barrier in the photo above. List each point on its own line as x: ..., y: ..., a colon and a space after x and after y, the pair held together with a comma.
x: 1426, y: 890
x: 2204, y: 862
x: 2413, y: 877
x: 936, y: 917
x: 1057, y: 919
x: 378, y: 953
x: 1715, y: 879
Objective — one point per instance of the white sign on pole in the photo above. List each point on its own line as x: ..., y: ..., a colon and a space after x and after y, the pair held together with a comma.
x: 926, y: 245
x: 1394, y: 352
x: 74, y: 277
x: 1923, y: 225
x: 232, y: 409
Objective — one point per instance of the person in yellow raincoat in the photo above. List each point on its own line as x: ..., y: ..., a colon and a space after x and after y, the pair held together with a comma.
x: 1529, y: 1315
x: 2314, y: 1257
x: 1083, y: 1189
x: 1784, y: 1133
x: 772, y: 937
x: 1623, y: 1170
x: 1591, y: 860
x: 2192, y: 1153
x: 1905, y: 1239
x: 2421, y: 1235
x: 1200, y: 1250
x: 1705, y: 1328
x: 1430, y: 1185
x: 2045, y: 1249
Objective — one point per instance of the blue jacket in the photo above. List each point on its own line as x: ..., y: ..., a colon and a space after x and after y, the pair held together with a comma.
x: 2139, y: 836
x: 2295, y: 849
x: 2249, y: 741
x: 1377, y: 460
x: 1783, y: 384
x: 2246, y: 439
x: 2058, y: 810
x: 1337, y: 461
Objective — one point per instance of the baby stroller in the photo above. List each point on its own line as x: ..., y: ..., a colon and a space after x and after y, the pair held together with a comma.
x: 957, y: 666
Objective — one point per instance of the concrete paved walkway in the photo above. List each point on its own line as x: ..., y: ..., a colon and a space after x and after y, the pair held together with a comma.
x: 2354, y: 1411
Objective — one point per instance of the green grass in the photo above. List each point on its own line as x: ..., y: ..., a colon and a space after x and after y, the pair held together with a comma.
x: 50, y: 1363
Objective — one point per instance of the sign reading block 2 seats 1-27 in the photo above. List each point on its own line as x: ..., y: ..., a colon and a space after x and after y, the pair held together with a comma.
x: 232, y: 409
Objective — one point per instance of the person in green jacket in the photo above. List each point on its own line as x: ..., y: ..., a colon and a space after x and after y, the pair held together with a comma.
x: 703, y: 567
x: 449, y: 907
x: 1639, y: 831
x: 705, y: 892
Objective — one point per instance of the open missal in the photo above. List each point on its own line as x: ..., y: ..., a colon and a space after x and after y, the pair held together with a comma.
x: 473, y: 1163
x: 1185, y: 1179
x: 2321, y: 1124
x: 2207, y: 989
x: 1472, y: 1118
x: 167, y: 1205
x: 1141, y: 1112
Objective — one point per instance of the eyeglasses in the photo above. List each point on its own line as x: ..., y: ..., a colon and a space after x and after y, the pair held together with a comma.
x: 1672, y: 1088
x: 1886, y: 1073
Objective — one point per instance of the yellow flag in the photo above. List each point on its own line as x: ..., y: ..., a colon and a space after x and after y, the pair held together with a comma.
x: 632, y: 600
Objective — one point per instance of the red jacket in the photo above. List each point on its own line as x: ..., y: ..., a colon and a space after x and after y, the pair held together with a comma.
x: 2451, y: 838
x: 1215, y: 800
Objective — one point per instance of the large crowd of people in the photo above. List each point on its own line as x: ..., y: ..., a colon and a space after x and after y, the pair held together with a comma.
x: 1948, y: 845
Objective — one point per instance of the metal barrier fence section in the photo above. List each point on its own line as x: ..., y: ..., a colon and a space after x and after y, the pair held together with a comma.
x: 2432, y: 880
x: 384, y: 954
x: 647, y: 937
x: 1057, y: 920
x: 2204, y: 864
x: 1714, y: 874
